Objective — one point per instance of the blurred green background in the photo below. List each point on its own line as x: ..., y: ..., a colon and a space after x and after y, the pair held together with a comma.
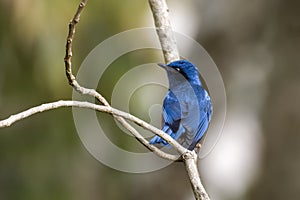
x: 256, y: 46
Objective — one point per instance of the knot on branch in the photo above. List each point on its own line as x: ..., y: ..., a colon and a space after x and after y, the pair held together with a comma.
x: 188, y: 155
x: 81, y: 5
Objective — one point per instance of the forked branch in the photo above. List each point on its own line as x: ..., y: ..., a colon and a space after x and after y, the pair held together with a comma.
x: 101, y: 99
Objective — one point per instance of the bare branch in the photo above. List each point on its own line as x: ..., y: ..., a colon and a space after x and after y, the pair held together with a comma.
x: 190, y: 161
x: 164, y: 30
x: 145, y: 142
x: 68, y: 56
x: 53, y: 105
x: 180, y: 149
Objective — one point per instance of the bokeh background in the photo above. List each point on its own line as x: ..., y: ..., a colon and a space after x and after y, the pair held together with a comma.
x: 256, y: 46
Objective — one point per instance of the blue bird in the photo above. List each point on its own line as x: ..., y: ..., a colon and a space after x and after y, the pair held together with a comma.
x: 187, y: 108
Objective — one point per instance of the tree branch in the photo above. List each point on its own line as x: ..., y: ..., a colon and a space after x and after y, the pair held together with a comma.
x: 164, y: 30
x: 190, y: 161
x: 107, y: 109
x: 68, y: 58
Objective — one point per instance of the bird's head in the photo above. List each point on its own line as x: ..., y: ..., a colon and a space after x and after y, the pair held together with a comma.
x: 182, y: 68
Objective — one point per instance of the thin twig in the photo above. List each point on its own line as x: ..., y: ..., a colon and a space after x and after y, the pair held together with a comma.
x: 145, y: 142
x: 68, y: 58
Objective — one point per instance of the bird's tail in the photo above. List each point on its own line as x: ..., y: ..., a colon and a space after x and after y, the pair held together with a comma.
x: 158, y: 140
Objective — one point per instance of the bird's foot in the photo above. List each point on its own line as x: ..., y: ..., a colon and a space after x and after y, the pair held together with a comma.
x: 197, y: 148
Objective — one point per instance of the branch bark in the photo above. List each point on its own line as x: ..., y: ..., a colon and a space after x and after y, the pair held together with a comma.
x: 164, y: 30
x: 190, y: 161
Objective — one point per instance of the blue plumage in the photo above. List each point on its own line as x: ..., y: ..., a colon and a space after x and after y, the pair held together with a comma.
x: 187, y: 107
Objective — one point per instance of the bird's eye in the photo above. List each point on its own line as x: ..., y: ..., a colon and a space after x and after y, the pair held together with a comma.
x: 177, y: 69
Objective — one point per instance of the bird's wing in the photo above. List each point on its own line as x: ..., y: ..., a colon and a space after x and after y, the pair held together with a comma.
x: 198, y: 134
x: 196, y: 121
x: 171, y: 117
x: 171, y: 112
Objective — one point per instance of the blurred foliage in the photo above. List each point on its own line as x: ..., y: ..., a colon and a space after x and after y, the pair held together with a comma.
x: 43, y: 158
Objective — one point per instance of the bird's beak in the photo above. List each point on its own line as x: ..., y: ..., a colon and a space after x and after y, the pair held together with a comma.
x: 162, y: 65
